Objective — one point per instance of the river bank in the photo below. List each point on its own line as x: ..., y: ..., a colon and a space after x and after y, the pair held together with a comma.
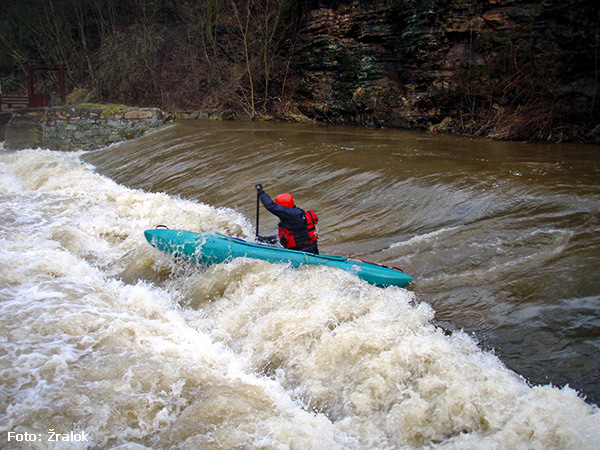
x: 515, y: 70
x: 93, y: 126
x: 501, y: 125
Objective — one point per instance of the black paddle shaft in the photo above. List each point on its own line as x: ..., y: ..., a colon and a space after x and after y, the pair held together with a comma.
x: 257, y: 210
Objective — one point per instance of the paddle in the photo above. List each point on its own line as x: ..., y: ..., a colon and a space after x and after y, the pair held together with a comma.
x: 258, y: 186
x: 272, y: 240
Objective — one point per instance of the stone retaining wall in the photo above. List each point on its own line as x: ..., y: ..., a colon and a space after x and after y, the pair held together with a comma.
x: 79, y: 127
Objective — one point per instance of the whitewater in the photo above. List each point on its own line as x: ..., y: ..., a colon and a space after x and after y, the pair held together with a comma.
x: 102, y: 337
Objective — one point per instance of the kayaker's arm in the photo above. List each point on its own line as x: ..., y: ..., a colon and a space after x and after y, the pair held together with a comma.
x: 268, y: 203
x: 280, y: 211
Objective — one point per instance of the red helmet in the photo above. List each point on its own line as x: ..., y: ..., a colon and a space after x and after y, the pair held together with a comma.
x: 285, y: 200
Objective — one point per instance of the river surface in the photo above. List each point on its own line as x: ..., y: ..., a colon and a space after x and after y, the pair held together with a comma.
x: 496, y: 343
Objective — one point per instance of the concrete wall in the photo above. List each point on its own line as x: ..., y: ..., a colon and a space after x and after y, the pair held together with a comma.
x: 4, y: 118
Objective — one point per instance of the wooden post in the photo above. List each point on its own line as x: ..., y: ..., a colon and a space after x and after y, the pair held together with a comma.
x: 63, y: 89
x: 31, y: 87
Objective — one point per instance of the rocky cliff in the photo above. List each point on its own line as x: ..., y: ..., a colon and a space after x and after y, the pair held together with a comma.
x: 510, y: 69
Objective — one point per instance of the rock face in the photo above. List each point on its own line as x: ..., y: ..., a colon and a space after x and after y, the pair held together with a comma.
x: 431, y: 64
x: 82, y: 127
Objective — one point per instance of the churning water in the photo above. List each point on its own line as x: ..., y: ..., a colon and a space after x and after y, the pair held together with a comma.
x: 107, y: 343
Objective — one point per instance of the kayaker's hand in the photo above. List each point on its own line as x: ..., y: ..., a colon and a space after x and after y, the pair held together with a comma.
x: 259, y: 187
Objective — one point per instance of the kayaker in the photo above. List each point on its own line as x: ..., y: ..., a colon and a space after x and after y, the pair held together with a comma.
x: 297, y: 228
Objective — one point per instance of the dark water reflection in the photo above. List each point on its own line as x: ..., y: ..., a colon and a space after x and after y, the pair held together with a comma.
x: 503, y: 239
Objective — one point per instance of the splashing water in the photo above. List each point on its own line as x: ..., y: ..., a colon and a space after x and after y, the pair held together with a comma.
x: 102, y: 334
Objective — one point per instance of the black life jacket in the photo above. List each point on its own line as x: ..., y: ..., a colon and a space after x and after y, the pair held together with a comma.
x: 296, y: 239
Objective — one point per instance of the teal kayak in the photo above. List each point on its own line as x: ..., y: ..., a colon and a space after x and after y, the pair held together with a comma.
x: 214, y: 248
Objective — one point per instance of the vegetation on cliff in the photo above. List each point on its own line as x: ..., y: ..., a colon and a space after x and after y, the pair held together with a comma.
x: 537, y: 75
x: 509, y: 69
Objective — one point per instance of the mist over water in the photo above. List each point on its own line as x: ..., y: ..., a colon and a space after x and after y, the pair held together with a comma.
x: 102, y: 333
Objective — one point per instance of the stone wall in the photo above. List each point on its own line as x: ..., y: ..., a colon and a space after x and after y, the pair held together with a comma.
x: 79, y: 127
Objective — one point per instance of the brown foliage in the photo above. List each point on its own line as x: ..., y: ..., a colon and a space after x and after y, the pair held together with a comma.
x: 210, y: 54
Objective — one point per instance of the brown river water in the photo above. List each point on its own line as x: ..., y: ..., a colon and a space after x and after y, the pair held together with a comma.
x: 495, y: 344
